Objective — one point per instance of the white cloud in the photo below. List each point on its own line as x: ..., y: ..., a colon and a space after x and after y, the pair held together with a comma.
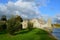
x: 24, y: 8
x: 56, y: 18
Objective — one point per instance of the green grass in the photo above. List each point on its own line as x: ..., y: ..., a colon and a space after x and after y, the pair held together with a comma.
x: 35, y: 34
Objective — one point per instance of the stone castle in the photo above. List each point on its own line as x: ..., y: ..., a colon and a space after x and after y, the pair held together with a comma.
x: 39, y: 23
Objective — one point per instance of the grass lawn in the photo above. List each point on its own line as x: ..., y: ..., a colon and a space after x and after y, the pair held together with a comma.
x: 35, y: 34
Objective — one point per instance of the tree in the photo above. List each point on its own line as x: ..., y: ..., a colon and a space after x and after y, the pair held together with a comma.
x: 10, y: 25
x: 3, y: 18
x: 3, y: 26
x: 19, y: 19
x: 14, y: 24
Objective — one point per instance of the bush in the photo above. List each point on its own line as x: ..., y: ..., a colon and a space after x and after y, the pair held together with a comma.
x: 30, y: 25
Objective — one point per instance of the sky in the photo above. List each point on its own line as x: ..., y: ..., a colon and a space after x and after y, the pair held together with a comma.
x: 52, y: 8
x: 30, y: 8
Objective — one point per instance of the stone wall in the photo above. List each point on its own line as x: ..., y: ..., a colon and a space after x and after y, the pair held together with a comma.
x: 38, y: 24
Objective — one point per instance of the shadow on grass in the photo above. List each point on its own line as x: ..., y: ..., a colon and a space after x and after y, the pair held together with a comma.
x: 3, y: 32
x: 23, y: 31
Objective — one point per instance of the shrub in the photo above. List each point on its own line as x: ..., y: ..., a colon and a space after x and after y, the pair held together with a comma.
x: 30, y: 25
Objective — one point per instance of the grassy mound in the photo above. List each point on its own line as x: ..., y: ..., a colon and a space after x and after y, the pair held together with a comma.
x: 35, y: 34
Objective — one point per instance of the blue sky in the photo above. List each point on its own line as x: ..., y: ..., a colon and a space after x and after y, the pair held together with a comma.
x: 6, y: 1
x: 52, y: 8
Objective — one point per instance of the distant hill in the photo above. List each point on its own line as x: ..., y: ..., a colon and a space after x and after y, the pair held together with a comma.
x: 57, y: 25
